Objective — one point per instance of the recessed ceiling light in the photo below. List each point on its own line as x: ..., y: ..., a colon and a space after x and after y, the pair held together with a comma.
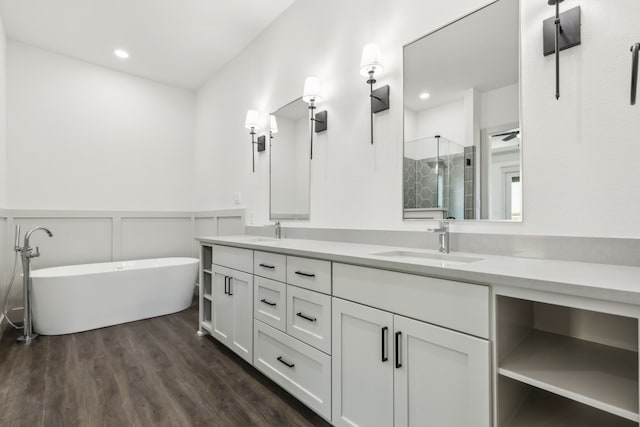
x: 424, y: 95
x: 121, y: 54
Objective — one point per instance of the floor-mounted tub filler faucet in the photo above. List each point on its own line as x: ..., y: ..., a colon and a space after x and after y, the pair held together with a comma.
x: 443, y: 237
x: 27, y: 253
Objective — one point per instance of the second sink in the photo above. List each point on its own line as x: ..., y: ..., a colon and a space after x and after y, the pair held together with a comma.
x: 409, y: 255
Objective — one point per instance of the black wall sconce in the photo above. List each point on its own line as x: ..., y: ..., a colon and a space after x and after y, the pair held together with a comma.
x: 311, y: 94
x: 251, y: 122
x: 561, y: 32
x: 635, y: 49
x: 370, y: 65
x: 262, y: 143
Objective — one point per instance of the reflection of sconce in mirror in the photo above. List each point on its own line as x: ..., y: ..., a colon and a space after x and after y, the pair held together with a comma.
x: 251, y: 122
x: 370, y: 65
x: 561, y: 32
x: 312, y: 93
x: 273, y: 126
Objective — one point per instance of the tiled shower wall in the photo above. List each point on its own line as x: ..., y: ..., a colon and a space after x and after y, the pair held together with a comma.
x: 469, y: 182
x: 421, y: 183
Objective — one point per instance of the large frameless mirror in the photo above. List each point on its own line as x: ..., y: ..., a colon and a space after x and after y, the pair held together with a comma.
x: 289, y: 163
x: 462, y: 137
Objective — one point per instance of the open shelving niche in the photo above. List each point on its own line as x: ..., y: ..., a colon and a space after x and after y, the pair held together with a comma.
x: 565, y: 366
x: 206, y: 290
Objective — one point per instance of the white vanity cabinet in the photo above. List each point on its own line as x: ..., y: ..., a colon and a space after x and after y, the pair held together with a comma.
x: 441, y: 377
x: 292, y: 329
x: 362, y: 377
x: 360, y: 346
x: 232, y: 317
x: 391, y: 370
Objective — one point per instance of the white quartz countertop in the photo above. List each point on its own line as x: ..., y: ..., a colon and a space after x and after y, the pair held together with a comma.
x: 600, y: 281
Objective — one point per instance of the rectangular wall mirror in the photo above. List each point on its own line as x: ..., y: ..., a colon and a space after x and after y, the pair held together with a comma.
x: 462, y: 137
x: 289, y: 164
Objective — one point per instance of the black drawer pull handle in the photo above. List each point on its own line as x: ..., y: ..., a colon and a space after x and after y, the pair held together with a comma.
x: 226, y: 285
x: 284, y: 362
x: 302, y: 273
x: 272, y: 304
x: 385, y: 331
x: 230, y: 279
x: 271, y: 267
x: 398, y: 362
x: 310, y: 319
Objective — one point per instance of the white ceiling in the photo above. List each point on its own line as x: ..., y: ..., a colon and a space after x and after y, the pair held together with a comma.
x: 179, y: 42
x: 480, y: 51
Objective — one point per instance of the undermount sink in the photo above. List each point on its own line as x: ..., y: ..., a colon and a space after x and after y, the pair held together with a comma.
x: 448, y: 258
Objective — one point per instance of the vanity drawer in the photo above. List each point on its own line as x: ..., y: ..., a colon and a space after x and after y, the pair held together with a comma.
x: 298, y: 368
x: 309, y: 273
x: 309, y: 317
x: 271, y: 266
x: 455, y: 305
x: 269, y: 301
x: 236, y: 258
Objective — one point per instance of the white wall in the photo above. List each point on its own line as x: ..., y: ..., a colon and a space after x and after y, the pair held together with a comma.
x: 355, y: 184
x: 86, y: 137
x: 3, y: 125
x: 447, y: 120
x: 3, y: 169
x: 499, y: 107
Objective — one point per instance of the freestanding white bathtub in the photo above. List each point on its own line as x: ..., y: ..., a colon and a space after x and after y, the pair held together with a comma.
x: 82, y: 297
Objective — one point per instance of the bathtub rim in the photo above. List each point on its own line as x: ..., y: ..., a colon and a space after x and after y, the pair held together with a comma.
x: 67, y: 270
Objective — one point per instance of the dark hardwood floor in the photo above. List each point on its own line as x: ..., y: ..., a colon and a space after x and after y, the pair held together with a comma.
x: 154, y: 372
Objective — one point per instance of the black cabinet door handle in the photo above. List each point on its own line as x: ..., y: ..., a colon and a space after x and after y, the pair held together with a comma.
x: 385, y: 332
x: 284, y: 362
x: 302, y: 273
x: 270, y: 267
x: 310, y: 319
x: 272, y: 304
x: 398, y: 362
x: 230, y: 279
x: 226, y: 285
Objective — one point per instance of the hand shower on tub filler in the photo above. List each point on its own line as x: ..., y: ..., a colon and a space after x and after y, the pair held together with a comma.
x: 26, y: 254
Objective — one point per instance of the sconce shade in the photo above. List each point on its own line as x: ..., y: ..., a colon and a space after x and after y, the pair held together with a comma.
x: 312, y: 90
x: 370, y: 60
x: 274, y: 124
x: 252, y: 119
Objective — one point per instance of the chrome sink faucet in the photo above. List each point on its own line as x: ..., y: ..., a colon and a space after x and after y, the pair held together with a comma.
x: 278, y: 230
x: 443, y: 237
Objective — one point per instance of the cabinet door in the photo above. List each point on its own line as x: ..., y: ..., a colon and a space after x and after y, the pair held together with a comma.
x: 240, y: 294
x: 441, y: 378
x: 362, y: 370
x: 221, y: 321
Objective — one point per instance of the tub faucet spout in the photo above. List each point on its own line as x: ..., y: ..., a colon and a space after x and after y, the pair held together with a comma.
x: 27, y: 253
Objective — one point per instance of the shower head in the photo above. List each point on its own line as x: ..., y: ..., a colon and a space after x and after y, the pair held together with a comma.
x: 554, y: 2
